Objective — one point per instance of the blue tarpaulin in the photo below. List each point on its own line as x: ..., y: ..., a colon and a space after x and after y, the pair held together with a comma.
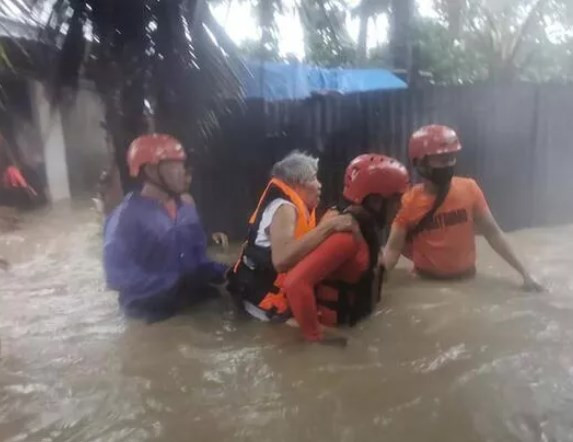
x: 280, y: 81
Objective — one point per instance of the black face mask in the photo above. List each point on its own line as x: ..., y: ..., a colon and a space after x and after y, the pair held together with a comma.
x: 440, y: 176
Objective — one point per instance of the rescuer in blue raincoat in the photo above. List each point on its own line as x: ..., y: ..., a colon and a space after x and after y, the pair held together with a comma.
x: 154, y: 244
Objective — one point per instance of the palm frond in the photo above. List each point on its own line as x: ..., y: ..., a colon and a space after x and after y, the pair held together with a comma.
x: 158, y: 65
x: 4, y: 60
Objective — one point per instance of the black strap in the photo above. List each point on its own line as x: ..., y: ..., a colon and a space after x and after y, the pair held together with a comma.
x: 350, y: 312
x: 342, y: 306
x: 344, y: 312
x: 163, y: 185
x: 429, y: 215
x: 368, y: 229
x: 255, y: 274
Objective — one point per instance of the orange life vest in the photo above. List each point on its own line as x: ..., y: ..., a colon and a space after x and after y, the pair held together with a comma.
x: 305, y: 221
x: 254, y: 278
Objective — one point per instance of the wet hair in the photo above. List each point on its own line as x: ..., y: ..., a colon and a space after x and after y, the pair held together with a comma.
x: 296, y: 168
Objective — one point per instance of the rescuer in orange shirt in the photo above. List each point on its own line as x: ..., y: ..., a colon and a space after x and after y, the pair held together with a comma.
x: 437, y: 222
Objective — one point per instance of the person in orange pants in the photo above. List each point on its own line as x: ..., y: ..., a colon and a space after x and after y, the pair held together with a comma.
x: 339, y: 282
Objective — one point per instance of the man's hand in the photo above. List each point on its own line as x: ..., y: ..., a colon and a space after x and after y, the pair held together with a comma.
x: 390, y: 254
x: 531, y: 285
x: 221, y: 239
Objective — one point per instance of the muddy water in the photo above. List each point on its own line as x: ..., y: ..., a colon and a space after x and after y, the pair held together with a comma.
x: 466, y: 361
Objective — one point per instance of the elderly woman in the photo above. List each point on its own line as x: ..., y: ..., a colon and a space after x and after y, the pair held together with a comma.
x: 282, y: 231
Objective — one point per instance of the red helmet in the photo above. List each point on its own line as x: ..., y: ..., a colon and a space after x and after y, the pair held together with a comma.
x: 374, y: 174
x: 433, y: 140
x: 152, y: 149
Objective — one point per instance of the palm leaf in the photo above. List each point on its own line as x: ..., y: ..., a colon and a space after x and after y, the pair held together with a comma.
x: 4, y: 60
x: 158, y: 65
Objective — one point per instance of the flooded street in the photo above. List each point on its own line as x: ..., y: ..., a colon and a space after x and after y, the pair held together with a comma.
x: 465, y: 361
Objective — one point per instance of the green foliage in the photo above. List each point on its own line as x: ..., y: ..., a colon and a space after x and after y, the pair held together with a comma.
x: 327, y: 41
x: 472, y: 40
x: 498, y: 40
x: 379, y: 57
x: 450, y: 60
x: 254, y: 49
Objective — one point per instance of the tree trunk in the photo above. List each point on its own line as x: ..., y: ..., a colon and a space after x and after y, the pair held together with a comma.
x: 266, y: 23
x: 401, y: 35
x: 362, y: 53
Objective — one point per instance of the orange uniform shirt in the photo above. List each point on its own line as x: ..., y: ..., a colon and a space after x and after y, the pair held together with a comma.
x: 447, y: 246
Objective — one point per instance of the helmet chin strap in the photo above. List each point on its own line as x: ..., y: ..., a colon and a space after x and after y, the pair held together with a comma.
x: 162, y: 184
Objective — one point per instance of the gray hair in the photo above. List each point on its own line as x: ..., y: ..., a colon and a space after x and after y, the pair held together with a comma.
x: 296, y: 168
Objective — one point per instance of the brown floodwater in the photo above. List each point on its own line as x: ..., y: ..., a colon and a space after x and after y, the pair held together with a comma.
x: 465, y: 361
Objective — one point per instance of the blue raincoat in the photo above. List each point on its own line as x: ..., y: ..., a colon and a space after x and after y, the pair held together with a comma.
x: 148, y: 255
